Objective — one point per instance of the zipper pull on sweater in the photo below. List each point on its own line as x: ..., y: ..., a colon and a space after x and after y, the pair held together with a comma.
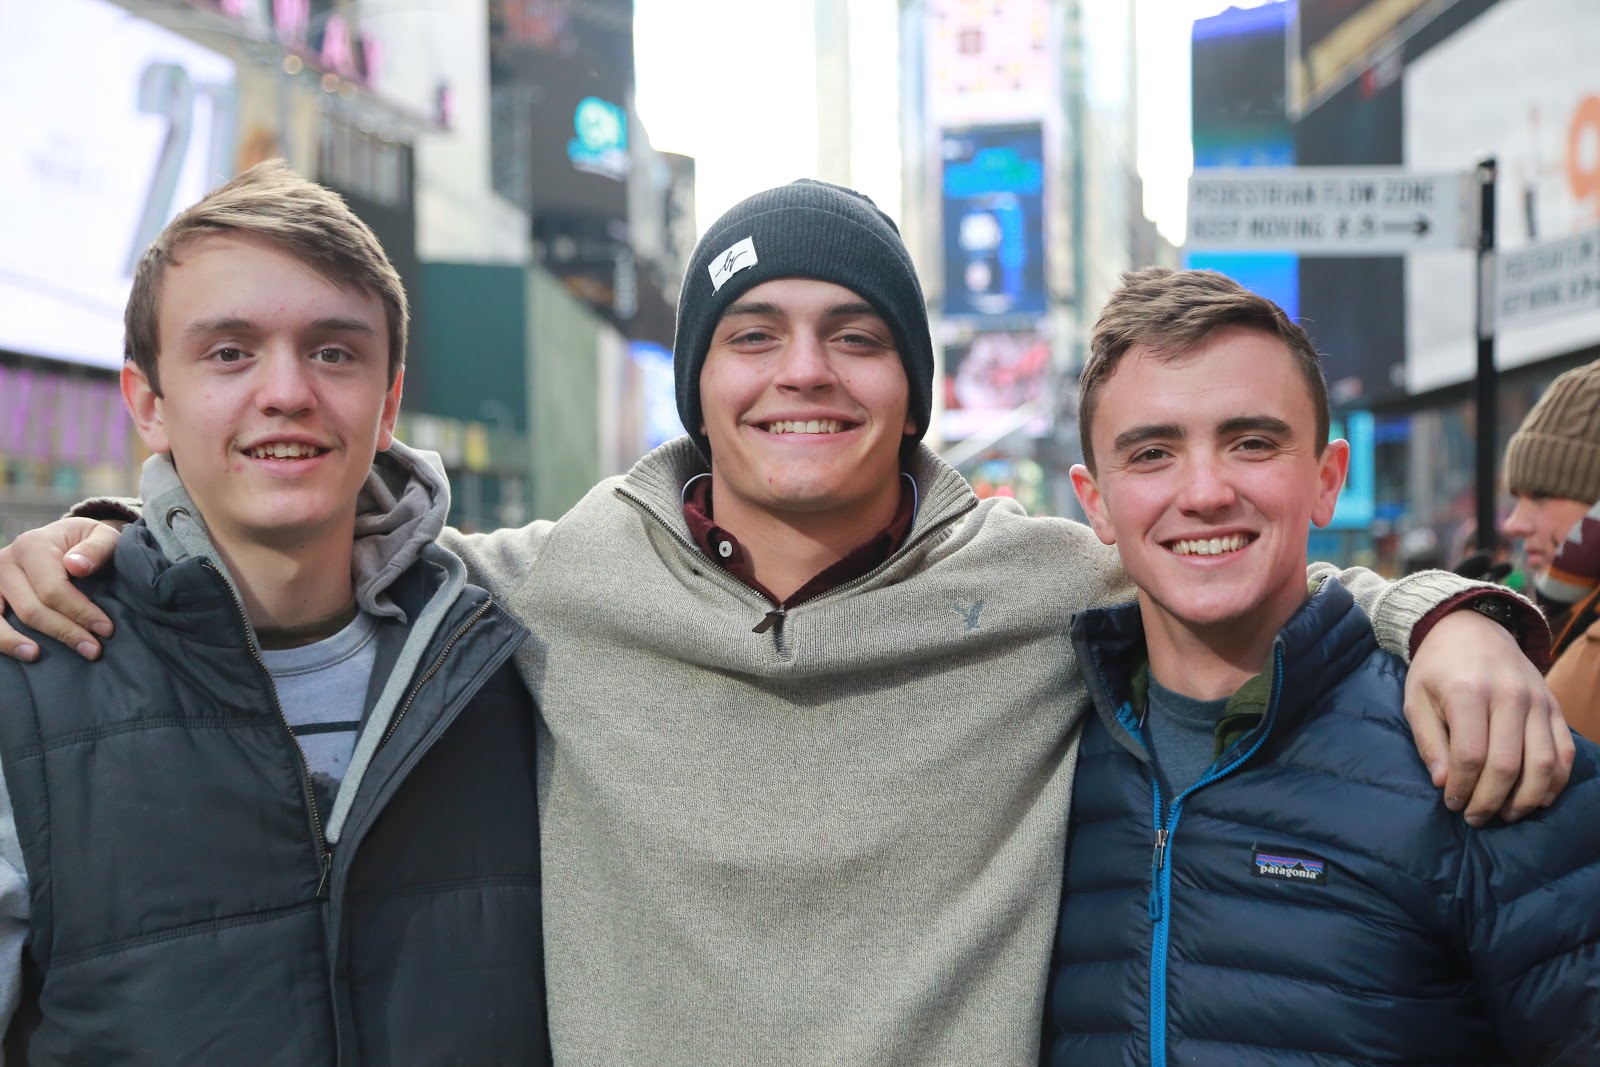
x: 768, y: 621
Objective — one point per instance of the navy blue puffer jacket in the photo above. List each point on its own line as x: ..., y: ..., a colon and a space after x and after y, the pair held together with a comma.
x: 1311, y: 900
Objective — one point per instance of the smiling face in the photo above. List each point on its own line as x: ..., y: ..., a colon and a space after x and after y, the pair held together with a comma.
x: 805, y: 405
x: 274, y: 392
x: 1208, y: 480
x: 1543, y: 523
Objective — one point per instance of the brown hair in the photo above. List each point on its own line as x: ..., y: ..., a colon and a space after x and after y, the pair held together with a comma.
x: 309, y: 221
x: 1171, y: 313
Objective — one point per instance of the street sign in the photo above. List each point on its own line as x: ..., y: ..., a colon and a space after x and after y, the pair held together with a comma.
x: 1330, y: 211
x: 1548, y: 279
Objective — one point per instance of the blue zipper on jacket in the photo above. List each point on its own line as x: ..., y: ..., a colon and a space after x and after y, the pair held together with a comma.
x: 1161, y: 870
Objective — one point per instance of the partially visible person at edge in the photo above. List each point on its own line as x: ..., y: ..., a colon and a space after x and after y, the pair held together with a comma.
x: 1552, y: 466
x: 289, y: 816
x: 808, y: 707
x: 1258, y: 872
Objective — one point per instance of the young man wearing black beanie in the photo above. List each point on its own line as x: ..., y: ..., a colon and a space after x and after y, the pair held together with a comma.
x: 809, y: 707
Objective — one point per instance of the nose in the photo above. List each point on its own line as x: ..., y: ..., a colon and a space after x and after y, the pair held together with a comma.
x: 1206, y: 489
x: 804, y: 364
x: 283, y: 382
x: 1520, y: 522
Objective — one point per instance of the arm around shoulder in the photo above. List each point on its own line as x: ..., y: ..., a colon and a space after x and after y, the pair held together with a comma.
x: 500, y: 560
x: 1403, y: 610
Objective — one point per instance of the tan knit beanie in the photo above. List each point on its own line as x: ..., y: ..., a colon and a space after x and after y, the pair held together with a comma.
x: 1556, y: 450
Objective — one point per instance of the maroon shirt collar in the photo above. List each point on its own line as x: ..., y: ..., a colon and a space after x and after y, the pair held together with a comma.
x: 722, y: 547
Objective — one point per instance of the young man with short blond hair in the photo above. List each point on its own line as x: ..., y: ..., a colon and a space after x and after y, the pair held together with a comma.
x: 1258, y: 870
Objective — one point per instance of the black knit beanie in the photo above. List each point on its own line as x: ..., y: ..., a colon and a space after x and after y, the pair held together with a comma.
x: 806, y: 229
x: 1556, y: 450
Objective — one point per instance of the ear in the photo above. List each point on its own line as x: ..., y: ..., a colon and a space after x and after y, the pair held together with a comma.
x: 1083, y: 484
x: 1331, y: 471
x: 391, y: 409
x: 145, y: 407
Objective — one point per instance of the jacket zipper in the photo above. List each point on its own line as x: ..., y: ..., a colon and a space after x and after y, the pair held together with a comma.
x: 1161, y: 870
x: 411, y: 697
x: 324, y: 853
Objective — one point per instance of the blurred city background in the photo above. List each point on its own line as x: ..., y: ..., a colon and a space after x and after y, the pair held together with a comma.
x: 538, y: 170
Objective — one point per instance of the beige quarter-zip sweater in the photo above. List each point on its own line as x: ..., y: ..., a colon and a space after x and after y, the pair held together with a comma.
x: 837, y: 842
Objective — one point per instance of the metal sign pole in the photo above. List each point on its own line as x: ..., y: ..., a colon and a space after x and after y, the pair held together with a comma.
x: 1487, y: 388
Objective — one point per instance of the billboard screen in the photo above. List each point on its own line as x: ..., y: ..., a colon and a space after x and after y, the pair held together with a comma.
x: 1241, y: 119
x: 1543, y: 128
x: 989, y: 376
x: 562, y: 73
x: 1342, y: 39
x: 993, y: 191
x: 95, y: 165
x: 987, y: 60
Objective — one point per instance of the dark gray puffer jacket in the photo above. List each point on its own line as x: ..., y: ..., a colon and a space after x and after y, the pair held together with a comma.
x: 187, y: 906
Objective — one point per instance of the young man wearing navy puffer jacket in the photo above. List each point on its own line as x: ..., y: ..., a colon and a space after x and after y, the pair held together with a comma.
x: 1258, y: 871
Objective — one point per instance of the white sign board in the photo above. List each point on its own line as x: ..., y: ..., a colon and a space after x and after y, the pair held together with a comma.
x: 1329, y: 211
x: 94, y: 167
x: 1547, y: 279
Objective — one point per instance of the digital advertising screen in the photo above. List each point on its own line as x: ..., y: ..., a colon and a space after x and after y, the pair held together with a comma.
x: 1543, y: 129
x: 562, y: 74
x: 114, y: 125
x: 994, y: 248
x: 989, y: 376
x: 1239, y: 61
x: 987, y: 60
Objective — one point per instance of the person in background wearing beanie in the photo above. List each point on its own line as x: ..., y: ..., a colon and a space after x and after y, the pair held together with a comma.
x: 1257, y: 871
x: 807, y: 706
x: 1552, y: 467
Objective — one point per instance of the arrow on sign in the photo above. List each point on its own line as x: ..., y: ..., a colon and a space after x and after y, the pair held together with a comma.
x: 1419, y: 226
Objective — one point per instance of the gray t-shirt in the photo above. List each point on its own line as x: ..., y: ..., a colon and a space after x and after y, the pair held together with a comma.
x: 322, y: 688
x: 1181, y: 735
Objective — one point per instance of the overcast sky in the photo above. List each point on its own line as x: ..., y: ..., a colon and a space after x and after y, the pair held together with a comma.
x: 733, y: 83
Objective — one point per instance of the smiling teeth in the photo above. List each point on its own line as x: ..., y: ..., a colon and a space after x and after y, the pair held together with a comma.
x: 798, y: 426
x: 284, y: 450
x: 1210, y: 546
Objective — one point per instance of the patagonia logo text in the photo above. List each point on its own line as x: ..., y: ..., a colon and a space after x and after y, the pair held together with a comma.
x: 732, y: 261
x: 1290, y: 867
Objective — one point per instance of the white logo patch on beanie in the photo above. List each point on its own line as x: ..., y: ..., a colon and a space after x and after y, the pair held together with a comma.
x: 729, y: 263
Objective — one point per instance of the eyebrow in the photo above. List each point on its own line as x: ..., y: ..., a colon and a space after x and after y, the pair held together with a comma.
x: 756, y: 307
x: 766, y: 307
x: 231, y: 324
x: 1257, y: 424
x: 1138, y: 435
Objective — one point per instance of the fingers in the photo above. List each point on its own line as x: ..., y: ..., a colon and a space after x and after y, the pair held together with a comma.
x: 1509, y: 749
x: 1508, y: 704
x: 1566, y: 752
x: 1427, y: 728
x: 94, y: 551
x: 1547, y: 762
x: 1539, y: 765
x: 13, y: 643
x: 1462, y: 706
x: 35, y: 583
